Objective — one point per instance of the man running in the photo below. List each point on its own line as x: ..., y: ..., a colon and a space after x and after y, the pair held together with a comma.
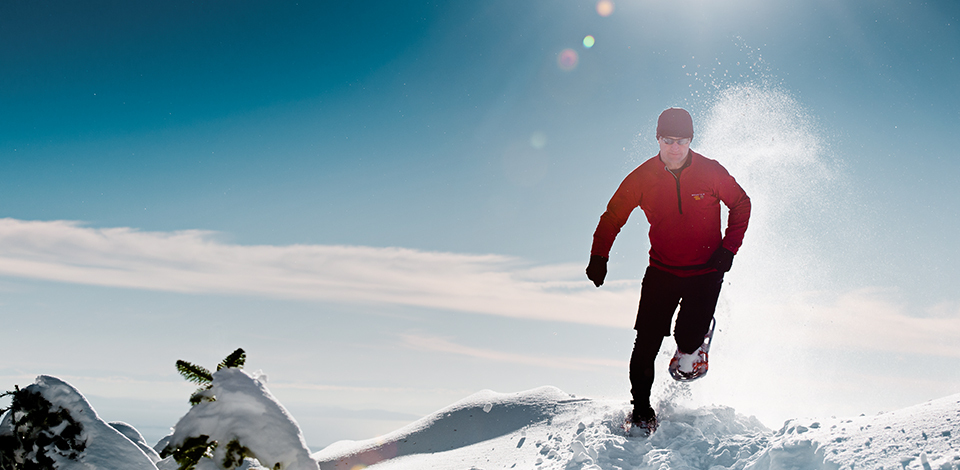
x: 680, y: 192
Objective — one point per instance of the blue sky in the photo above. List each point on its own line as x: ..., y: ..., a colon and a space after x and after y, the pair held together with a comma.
x: 390, y: 205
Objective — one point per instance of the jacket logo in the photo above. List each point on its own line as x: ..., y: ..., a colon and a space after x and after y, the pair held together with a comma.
x: 699, y: 196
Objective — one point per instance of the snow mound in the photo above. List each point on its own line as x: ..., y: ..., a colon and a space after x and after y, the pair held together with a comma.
x: 131, y: 433
x: 548, y: 429
x: 481, y: 417
x: 924, y: 436
x: 244, y: 410
x: 106, y: 447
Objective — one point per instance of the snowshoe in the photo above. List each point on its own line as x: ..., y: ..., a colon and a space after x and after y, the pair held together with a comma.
x: 644, y: 428
x: 641, y: 424
x: 689, y: 367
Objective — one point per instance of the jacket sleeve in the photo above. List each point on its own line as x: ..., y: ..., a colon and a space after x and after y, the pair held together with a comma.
x: 623, y: 202
x: 736, y: 199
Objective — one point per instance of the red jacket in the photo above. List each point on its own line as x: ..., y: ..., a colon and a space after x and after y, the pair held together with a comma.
x: 684, y: 213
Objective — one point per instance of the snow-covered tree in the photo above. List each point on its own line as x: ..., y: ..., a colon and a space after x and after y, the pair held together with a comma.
x: 201, y: 376
x: 35, y: 431
x: 51, y: 425
x: 235, y: 417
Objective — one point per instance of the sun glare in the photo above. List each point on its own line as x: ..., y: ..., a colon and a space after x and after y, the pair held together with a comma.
x: 604, y: 8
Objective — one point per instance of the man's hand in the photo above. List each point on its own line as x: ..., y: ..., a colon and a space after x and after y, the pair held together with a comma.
x: 721, y: 260
x: 597, y: 269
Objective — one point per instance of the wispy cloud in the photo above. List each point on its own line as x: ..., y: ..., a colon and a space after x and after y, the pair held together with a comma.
x: 434, y: 344
x: 869, y: 319
x: 195, y: 261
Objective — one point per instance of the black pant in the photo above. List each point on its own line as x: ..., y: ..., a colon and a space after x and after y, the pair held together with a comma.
x: 660, y: 294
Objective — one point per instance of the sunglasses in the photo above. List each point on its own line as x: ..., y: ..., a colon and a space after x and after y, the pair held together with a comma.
x: 670, y: 141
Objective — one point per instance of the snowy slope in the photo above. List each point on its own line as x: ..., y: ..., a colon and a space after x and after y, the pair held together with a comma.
x: 543, y: 428
x: 922, y: 436
x: 548, y: 429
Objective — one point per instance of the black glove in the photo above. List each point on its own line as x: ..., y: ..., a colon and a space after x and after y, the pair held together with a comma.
x: 721, y: 260
x: 597, y: 269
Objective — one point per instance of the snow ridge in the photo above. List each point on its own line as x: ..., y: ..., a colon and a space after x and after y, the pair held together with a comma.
x: 543, y: 428
x: 548, y: 429
x: 922, y: 436
x: 482, y: 417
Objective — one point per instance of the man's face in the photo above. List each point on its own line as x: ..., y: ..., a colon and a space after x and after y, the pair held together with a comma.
x: 673, y: 154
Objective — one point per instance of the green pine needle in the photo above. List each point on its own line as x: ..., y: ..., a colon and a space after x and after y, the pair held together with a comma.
x: 236, y: 359
x: 194, y: 373
x: 203, y: 377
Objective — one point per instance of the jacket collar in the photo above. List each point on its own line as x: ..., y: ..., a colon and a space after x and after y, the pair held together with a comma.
x: 686, y: 163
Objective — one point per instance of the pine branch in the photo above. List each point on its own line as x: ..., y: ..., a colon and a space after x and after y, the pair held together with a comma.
x: 201, y: 395
x: 194, y: 373
x: 191, y: 451
x: 236, y: 359
x: 203, y: 377
x: 13, y: 393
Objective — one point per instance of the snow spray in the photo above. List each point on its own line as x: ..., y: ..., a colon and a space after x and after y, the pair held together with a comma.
x: 775, y: 150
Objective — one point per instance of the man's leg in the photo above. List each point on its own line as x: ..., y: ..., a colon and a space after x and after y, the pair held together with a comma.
x: 700, y: 294
x: 645, y: 351
x: 659, y: 296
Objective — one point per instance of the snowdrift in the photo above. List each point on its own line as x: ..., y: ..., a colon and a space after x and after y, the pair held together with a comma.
x: 548, y: 429
x: 543, y: 428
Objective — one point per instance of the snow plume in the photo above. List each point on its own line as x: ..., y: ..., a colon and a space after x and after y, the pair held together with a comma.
x: 194, y: 261
x: 799, y: 307
x: 772, y: 146
x: 788, y: 302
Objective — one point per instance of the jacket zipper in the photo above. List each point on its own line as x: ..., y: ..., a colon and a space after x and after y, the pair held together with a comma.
x: 679, y: 197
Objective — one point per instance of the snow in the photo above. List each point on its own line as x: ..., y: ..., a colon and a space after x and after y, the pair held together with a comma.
x: 106, y: 447
x: 544, y: 428
x: 486, y: 417
x: 245, y: 410
x: 548, y: 429
x: 922, y: 436
x: 134, y: 436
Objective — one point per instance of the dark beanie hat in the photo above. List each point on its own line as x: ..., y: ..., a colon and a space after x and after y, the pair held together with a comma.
x: 675, y: 122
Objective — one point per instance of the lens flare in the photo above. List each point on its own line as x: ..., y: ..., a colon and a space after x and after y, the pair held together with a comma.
x: 538, y: 140
x: 525, y: 165
x: 604, y: 8
x: 589, y: 41
x: 567, y: 60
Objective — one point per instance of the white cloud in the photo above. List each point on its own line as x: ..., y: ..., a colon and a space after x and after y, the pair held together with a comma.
x: 869, y: 319
x: 434, y: 344
x: 832, y: 324
x: 195, y: 261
